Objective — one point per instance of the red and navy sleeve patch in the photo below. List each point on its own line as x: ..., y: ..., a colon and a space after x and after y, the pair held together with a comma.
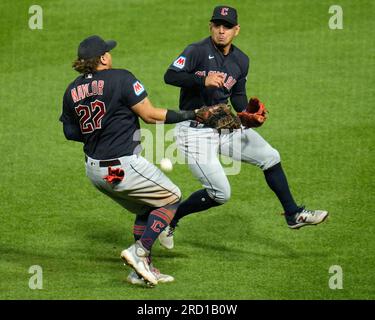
x: 138, y: 88
x: 179, y: 62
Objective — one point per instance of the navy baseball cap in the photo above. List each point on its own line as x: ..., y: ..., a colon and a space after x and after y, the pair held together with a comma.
x: 94, y: 46
x: 225, y: 13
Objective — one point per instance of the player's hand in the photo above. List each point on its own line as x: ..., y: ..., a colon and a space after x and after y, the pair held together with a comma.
x: 215, y: 80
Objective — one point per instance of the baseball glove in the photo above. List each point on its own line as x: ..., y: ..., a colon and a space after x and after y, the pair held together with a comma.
x: 254, y: 115
x: 219, y: 116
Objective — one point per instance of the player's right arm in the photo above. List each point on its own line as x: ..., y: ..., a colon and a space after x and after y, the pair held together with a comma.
x: 149, y: 114
x: 182, y: 72
x: 137, y: 99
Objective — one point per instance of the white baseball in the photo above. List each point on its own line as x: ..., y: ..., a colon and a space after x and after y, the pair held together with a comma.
x: 166, y: 165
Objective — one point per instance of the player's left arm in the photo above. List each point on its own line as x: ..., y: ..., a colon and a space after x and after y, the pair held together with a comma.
x: 72, y: 132
x: 238, y: 96
x: 71, y: 127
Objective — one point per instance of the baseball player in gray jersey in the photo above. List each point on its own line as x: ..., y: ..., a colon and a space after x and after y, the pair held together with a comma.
x: 211, y: 72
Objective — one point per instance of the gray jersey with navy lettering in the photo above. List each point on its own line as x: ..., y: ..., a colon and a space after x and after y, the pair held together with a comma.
x: 202, y: 58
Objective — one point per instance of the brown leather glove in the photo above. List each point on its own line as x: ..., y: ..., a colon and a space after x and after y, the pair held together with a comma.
x: 254, y: 115
x: 219, y: 116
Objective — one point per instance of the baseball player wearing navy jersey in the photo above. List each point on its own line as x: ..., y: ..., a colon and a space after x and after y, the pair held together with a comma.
x: 210, y: 72
x: 101, y: 109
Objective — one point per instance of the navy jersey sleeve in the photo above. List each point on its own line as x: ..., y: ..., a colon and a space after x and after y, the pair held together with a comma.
x: 181, y: 72
x: 70, y: 122
x: 133, y: 90
x: 187, y: 61
x: 67, y: 114
x: 239, y: 97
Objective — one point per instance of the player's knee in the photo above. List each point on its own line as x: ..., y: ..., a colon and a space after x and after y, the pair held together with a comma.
x: 220, y: 194
x: 273, y: 157
x: 174, y: 195
x: 178, y: 194
x: 225, y: 196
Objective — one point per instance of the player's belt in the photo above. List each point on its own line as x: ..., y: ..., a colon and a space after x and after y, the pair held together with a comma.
x: 107, y: 163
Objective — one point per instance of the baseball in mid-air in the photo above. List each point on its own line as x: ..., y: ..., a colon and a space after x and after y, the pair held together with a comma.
x: 166, y: 165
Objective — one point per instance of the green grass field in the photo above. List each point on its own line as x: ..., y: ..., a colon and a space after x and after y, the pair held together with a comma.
x: 317, y: 83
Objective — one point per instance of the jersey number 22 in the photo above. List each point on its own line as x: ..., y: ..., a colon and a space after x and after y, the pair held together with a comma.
x: 90, y: 119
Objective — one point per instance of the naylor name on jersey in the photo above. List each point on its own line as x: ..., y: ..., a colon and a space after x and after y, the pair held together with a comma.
x: 93, y: 88
x: 229, y: 82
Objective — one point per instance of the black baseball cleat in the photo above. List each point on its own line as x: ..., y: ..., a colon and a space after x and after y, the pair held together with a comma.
x: 306, y: 218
